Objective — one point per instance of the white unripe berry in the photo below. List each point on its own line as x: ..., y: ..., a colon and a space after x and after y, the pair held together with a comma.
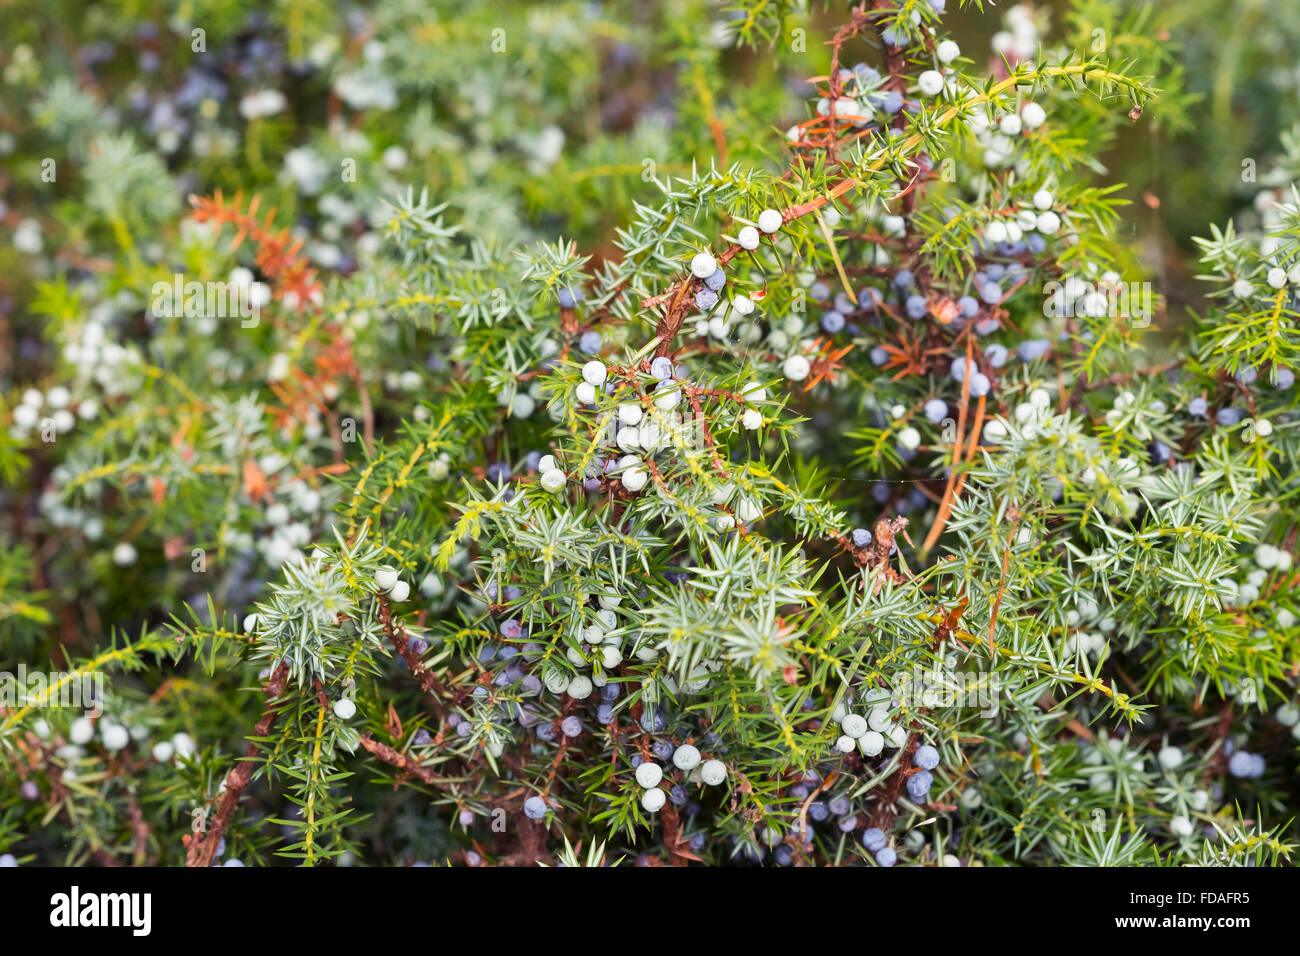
x: 124, y: 555
x: 81, y: 731
x: 546, y: 463
x: 909, y: 438
x: 769, y: 220
x: 748, y: 238
x: 996, y: 232
x: 846, y: 744
x: 586, y: 393
x: 594, y: 372
x: 579, y: 688
x: 629, y: 439
x: 752, y: 419
x: 702, y: 266
x: 667, y: 399
x: 1043, y: 200
x: 1170, y: 758
x: 610, y: 656
x: 1048, y: 223
x: 115, y: 736
x: 1033, y: 115
x: 649, y: 774
x: 743, y: 304
x: 872, y: 743
x: 652, y: 801
x: 930, y: 82
x: 1288, y: 715
x: 163, y: 751
x: 1181, y: 826
x: 629, y: 414
x: 1242, y: 288
x: 634, y: 479
x: 796, y: 368
x: 1263, y: 427
x: 846, y: 106
x: 26, y: 416
x: 854, y: 725
x: 1010, y: 124
x: 345, y: 708
x: 686, y: 757
x: 400, y: 592
x: 553, y: 480
x: 182, y: 744
x: 1277, y: 277
x: 523, y: 405
x: 947, y: 51
x: 747, y: 511
x: 713, y: 772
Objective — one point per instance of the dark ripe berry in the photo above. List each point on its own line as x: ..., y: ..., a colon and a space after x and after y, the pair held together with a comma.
x: 1033, y: 349
x: 918, y: 785
x: 926, y: 757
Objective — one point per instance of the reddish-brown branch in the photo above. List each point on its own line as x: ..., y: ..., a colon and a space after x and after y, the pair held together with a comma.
x: 203, y: 847
x: 428, y: 681
x: 401, y: 761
